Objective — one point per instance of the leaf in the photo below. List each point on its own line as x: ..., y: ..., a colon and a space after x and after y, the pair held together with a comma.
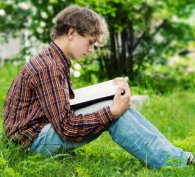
x: 2, y: 162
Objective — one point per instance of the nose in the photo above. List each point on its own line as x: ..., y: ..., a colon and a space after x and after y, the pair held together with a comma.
x: 91, y: 48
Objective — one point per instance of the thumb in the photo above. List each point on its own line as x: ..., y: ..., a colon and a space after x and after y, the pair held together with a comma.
x: 119, y: 91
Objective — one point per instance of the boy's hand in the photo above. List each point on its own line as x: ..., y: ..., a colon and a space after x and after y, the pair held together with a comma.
x: 120, y: 81
x: 121, y: 102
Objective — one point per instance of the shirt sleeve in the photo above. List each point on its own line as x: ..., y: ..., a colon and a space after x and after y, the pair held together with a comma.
x: 53, y: 96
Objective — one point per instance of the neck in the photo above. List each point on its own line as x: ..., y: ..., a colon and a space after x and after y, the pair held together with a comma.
x: 61, y: 42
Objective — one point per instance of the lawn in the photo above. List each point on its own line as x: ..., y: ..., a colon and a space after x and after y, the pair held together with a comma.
x: 172, y: 113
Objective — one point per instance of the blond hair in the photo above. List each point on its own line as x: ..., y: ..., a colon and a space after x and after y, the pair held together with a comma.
x: 84, y: 20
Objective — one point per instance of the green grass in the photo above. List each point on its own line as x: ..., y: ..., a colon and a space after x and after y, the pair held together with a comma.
x: 173, y: 114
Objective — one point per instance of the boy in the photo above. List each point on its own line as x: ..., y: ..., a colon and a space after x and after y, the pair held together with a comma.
x: 37, y: 110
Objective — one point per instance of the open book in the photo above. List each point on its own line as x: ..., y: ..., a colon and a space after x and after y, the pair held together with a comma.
x: 92, y: 94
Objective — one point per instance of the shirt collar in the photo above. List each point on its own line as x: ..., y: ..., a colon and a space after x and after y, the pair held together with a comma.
x: 65, y: 61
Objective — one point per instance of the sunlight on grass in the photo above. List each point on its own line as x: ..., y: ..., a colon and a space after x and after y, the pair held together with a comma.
x: 187, y: 143
x: 173, y: 114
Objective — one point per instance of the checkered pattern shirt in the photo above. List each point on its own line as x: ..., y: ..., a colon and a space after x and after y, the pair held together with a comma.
x: 40, y: 95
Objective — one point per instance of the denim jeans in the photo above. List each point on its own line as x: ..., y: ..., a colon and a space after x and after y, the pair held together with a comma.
x: 132, y: 132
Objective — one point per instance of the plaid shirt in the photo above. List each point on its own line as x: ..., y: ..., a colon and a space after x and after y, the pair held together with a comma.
x: 40, y: 95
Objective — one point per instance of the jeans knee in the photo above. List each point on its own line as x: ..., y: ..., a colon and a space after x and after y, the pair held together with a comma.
x: 119, y: 129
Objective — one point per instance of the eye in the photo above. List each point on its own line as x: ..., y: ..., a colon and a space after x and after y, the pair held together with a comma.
x: 91, y: 42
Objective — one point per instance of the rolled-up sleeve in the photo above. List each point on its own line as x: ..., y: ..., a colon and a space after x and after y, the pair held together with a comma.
x: 53, y: 95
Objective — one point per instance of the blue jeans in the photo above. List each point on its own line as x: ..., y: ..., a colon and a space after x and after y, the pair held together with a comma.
x: 132, y: 132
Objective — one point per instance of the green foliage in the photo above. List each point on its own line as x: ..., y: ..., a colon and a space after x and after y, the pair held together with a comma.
x: 7, y: 74
x: 163, y: 84
x: 41, y: 13
x: 165, y: 79
x: 90, y: 74
x: 141, y: 31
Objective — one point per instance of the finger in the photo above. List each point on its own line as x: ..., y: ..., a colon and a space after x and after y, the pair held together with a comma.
x: 121, y: 83
x: 126, y: 89
x: 128, y: 92
x: 126, y: 78
x: 119, y: 91
x: 128, y: 102
x: 121, y: 79
x: 114, y: 82
x: 117, y: 80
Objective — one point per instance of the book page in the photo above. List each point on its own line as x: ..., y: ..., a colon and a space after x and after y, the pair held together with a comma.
x: 99, y: 90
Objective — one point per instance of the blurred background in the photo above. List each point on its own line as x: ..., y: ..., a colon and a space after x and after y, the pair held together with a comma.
x: 149, y: 40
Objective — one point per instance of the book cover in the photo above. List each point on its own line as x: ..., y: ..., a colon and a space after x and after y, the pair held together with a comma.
x: 92, y: 94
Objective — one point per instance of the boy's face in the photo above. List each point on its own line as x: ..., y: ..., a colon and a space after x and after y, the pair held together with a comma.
x: 81, y: 46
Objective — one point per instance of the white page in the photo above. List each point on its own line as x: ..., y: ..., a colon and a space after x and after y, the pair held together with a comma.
x: 93, y: 92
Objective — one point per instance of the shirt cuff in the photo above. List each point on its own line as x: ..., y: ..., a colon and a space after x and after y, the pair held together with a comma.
x: 106, y: 116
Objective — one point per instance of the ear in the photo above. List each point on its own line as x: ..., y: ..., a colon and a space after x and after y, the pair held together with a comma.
x: 71, y: 33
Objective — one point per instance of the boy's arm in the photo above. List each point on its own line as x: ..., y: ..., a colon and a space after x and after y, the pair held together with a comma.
x: 54, y: 100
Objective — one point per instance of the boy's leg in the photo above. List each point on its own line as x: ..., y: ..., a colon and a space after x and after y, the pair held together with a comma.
x: 142, y: 120
x: 137, y: 135
x: 49, y: 142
